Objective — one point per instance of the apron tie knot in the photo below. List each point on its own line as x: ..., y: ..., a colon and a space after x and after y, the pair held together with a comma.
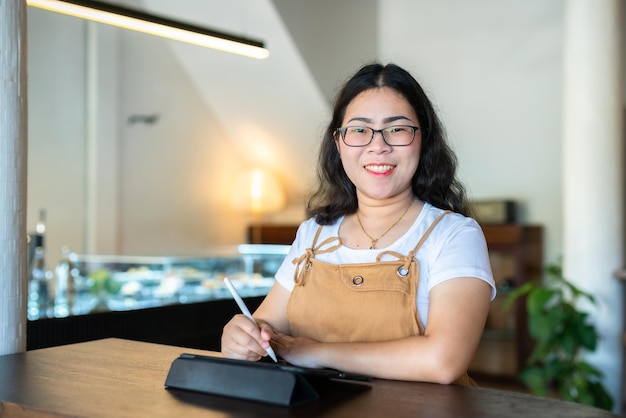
x: 309, y: 254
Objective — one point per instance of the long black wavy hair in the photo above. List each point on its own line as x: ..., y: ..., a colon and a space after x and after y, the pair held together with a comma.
x: 434, y: 181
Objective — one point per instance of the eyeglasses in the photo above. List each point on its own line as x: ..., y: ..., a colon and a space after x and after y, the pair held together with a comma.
x: 395, y: 136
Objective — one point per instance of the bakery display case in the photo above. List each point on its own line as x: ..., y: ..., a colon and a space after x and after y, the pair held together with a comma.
x: 121, y: 283
x: 175, y: 300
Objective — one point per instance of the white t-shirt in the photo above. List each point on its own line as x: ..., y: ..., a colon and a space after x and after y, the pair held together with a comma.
x: 455, y: 248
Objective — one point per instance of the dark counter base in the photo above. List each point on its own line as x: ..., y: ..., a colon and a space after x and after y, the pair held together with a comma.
x: 195, y: 325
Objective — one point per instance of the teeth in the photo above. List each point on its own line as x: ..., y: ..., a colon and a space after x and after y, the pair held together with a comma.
x: 379, y: 168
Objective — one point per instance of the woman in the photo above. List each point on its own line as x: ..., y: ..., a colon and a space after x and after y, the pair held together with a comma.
x: 387, y: 277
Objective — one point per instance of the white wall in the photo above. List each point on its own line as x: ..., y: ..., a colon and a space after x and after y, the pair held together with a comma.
x: 334, y: 37
x: 108, y: 186
x: 273, y: 108
x: 102, y: 138
x: 56, y: 125
x: 494, y: 70
x: 175, y: 173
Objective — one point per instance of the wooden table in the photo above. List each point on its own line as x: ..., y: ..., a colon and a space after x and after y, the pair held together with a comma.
x: 123, y: 378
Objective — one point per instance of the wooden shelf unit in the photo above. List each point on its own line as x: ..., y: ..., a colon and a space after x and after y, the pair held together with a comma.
x: 516, y: 254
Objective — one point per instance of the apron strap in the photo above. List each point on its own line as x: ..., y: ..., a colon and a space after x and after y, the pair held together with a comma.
x: 318, y: 249
x: 408, y: 258
x: 427, y: 233
x: 317, y: 235
x: 311, y: 251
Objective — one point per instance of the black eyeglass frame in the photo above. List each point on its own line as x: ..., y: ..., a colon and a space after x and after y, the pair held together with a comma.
x: 342, y: 131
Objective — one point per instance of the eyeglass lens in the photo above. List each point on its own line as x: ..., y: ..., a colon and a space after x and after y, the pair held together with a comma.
x: 358, y: 136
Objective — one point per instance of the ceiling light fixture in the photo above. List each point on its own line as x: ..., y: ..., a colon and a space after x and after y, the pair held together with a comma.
x: 154, y: 25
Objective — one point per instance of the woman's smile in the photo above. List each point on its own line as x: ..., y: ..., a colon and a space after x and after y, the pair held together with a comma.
x: 380, y: 169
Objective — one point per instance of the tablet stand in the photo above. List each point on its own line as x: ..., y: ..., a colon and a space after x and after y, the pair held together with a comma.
x: 274, y: 386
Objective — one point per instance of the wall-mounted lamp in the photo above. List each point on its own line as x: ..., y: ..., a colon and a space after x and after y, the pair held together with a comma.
x: 154, y: 25
x: 258, y: 192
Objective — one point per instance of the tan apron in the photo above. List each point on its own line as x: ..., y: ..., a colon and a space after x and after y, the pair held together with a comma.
x: 370, y: 301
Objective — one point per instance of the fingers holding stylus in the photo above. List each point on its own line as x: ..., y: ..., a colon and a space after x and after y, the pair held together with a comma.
x: 243, y: 339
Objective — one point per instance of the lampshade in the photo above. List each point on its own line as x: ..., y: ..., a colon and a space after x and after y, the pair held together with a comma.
x: 257, y: 191
x: 154, y: 25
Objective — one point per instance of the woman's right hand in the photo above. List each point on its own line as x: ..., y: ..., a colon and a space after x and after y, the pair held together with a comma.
x: 244, y: 340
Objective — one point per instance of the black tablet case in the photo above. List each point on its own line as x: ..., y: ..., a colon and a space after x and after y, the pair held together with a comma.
x: 262, y: 382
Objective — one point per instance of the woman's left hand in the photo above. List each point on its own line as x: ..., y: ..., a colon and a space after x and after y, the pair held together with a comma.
x: 298, y: 351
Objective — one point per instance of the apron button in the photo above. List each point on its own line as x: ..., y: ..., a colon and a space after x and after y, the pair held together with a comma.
x: 358, y: 280
x: 402, y: 272
x: 308, y: 266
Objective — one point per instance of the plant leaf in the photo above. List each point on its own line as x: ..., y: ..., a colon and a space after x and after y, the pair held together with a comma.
x: 538, y: 299
x: 601, y: 397
x: 535, y: 380
x: 516, y: 294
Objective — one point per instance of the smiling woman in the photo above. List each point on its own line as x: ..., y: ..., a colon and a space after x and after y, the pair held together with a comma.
x: 383, y: 279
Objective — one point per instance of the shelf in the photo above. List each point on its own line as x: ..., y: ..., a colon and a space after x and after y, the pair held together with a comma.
x: 498, y: 334
x: 515, y: 253
x: 495, y: 357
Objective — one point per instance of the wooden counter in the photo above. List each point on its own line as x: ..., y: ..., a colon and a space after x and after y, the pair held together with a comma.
x: 123, y: 378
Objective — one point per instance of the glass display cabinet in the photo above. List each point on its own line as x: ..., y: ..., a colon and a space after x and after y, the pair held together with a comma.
x: 175, y: 300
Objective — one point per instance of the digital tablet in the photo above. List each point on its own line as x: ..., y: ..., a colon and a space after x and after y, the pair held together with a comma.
x: 283, y: 366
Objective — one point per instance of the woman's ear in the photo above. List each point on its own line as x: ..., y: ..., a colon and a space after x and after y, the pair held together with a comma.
x: 337, y: 145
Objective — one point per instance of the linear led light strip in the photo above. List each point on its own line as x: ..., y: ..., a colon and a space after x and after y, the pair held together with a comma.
x: 154, y: 25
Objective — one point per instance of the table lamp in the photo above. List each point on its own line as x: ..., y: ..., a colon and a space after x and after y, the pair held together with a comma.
x: 259, y: 192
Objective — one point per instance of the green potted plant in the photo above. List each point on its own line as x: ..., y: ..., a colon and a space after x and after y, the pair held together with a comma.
x: 561, y: 334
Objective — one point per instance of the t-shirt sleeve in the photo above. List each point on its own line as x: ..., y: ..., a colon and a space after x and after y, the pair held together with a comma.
x: 462, y: 252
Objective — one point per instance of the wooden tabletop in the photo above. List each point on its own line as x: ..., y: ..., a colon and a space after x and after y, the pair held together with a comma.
x: 123, y: 378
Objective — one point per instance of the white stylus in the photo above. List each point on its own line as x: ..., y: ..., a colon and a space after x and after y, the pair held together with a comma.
x: 246, y: 312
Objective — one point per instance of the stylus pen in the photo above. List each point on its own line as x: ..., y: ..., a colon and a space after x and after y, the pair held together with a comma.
x: 246, y: 312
